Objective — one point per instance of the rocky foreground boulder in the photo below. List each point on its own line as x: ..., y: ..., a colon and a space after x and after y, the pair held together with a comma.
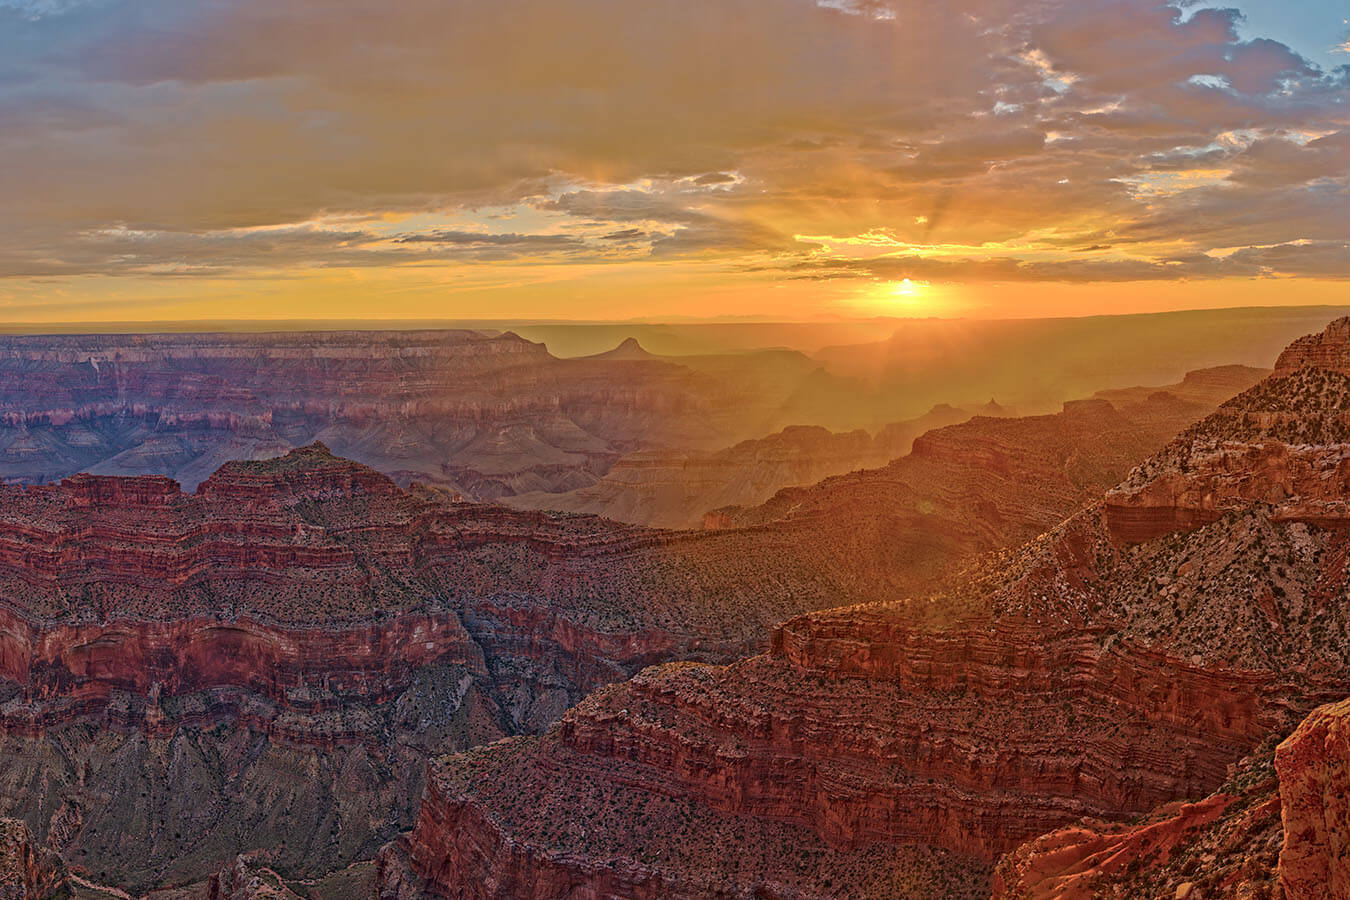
x: 1314, y: 769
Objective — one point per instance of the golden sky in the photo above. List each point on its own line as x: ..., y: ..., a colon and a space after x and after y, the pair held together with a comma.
x: 600, y: 159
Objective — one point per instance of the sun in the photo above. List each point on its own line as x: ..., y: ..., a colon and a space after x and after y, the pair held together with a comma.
x: 906, y: 297
x: 910, y: 294
x: 906, y: 289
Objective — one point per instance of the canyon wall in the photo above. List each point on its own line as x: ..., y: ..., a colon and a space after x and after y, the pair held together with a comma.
x: 1087, y: 674
x: 1277, y: 827
x: 859, y: 733
x: 484, y: 414
x: 1314, y: 770
x: 676, y: 488
x: 269, y: 661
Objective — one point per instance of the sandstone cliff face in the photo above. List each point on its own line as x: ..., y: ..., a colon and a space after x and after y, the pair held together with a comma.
x: 543, y: 835
x: 967, y: 726
x: 1314, y: 769
x: 270, y: 660
x: 1220, y: 847
x: 1276, y: 829
x: 1328, y: 350
x: 1081, y: 674
x: 28, y: 871
x: 489, y: 415
x: 1285, y: 443
x: 865, y: 730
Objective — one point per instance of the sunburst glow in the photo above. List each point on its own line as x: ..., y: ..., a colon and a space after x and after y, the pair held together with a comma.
x: 827, y: 154
x: 906, y: 289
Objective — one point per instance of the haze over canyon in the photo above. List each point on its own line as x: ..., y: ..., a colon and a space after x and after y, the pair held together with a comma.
x: 603, y: 450
x: 976, y: 653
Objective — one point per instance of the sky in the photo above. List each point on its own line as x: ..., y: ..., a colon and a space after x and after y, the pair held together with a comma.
x: 606, y: 159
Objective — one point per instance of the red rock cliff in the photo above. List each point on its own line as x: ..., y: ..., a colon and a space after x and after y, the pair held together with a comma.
x: 28, y: 871
x: 1080, y: 675
x: 1277, y: 828
x: 1285, y: 442
x: 1314, y: 768
x: 305, y: 613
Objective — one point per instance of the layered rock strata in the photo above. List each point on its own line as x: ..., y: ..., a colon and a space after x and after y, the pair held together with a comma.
x: 545, y: 835
x: 486, y: 414
x: 1285, y: 443
x: 987, y: 483
x: 305, y: 614
x: 1314, y: 770
x: 1275, y: 829
x: 1087, y: 673
x: 268, y: 662
x: 1221, y: 847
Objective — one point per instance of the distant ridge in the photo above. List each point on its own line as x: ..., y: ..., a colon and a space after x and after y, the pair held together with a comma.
x: 993, y: 408
x: 628, y: 349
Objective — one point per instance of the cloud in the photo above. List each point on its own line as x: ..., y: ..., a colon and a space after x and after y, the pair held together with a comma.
x: 125, y: 251
x: 1319, y: 259
x: 627, y: 234
x: 479, y: 239
x: 1141, y: 140
x: 37, y: 9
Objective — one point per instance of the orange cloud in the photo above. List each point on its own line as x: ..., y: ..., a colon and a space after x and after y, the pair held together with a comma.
x: 459, y: 155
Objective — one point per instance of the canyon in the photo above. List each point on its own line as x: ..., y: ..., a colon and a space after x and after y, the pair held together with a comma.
x: 676, y: 489
x: 487, y: 414
x: 963, y: 489
x: 491, y: 415
x: 234, y: 690
x: 266, y: 663
x: 1136, y: 661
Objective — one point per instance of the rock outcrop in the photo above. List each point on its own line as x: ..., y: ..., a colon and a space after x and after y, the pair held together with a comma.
x: 248, y: 879
x: 964, y: 489
x: 1220, y: 847
x: 1081, y: 675
x: 268, y: 662
x: 542, y: 834
x: 1277, y: 828
x: 1286, y: 443
x: 28, y: 871
x: 1314, y: 769
x: 1328, y: 350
